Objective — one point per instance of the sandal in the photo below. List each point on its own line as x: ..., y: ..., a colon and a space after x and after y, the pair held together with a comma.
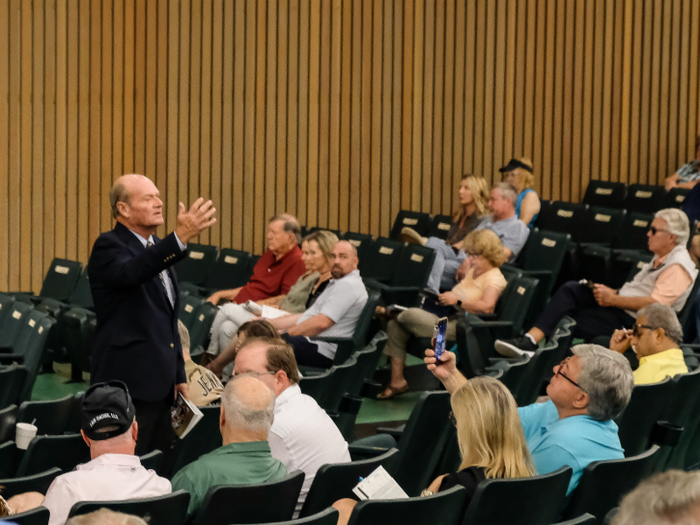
x: 392, y: 392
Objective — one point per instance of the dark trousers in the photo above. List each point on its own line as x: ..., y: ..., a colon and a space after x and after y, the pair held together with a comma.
x: 306, y: 352
x: 155, y: 430
x: 592, y: 320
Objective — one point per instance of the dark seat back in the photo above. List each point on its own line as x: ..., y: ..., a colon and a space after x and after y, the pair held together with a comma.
x: 37, y: 516
x: 674, y: 198
x: 643, y: 411
x: 195, y: 267
x: 189, y: 304
x: 233, y: 504
x: 82, y: 295
x: 336, y: 481
x: 228, y: 270
x: 633, y: 233
x: 414, y: 266
x: 170, y: 509
x: 422, y: 441
x: 51, y: 417
x: 531, y: 501
x: 382, y: 260
x: 605, y: 193
x: 417, y: 220
x: 77, y: 333
x: 12, y: 380
x: 200, y: 325
x: 444, y: 508
x: 60, y: 279
x: 46, y: 452
x: 440, y: 227
x: 362, y: 243
x: 8, y: 419
x: 645, y: 198
x: 604, y: 483
x: 562, y: 217
x: 36, y: 483
x: 599, y: 225
x: 13, y: 324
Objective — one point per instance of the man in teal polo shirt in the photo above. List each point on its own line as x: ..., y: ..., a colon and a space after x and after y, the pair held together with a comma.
x: 247, y: 410
x: 575, y: 427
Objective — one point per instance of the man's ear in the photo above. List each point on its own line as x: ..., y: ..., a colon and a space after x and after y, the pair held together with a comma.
x: 135, y: 430
x: 123, y: 208
x: 660, y: 333
x: 85, y: 438
x: 222, y: 417
x: 581, y: 400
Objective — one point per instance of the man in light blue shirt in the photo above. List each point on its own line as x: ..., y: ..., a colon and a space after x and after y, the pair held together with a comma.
x: 575, y: 427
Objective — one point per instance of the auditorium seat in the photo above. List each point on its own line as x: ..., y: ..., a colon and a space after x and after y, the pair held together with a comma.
x: 50, y: 417
x: 45, y: 452
x: 644, y: 198
x: 439, y: 227
x: 59, y: 282
x: 362, y: 243
x: 234, y: 504
x: 39, y: 482
x: 195, y: 267
x: 605, y: 193
x: 417, y: 220
x: 170, y: 509
x: 382, y: 260
x: 37, y: 516
x: 674, y: 198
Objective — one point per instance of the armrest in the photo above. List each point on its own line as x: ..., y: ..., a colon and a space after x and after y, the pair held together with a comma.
x: 364, y: 452
x: 337, y: 340
x: 11, y: 358
x: 374, y: 284
x: 489, y: 324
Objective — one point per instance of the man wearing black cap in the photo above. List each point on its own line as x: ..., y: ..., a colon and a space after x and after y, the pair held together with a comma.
x: 109, y: 428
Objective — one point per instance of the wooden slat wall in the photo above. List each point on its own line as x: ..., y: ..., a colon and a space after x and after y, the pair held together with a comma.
x: 339, y: 111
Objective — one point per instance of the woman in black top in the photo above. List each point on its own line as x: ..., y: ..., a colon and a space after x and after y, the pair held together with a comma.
x: 490, y: 437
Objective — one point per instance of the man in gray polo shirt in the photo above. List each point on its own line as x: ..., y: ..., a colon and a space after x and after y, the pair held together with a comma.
x: 503, y: 221
x: 334, y: 314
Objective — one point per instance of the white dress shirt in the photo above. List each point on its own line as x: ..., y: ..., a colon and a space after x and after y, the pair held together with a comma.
x: 304, y: 437
x: 109, y: 477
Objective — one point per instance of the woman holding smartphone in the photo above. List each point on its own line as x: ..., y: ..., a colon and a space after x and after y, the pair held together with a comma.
x: 490, y: 437
x: 477, y: 293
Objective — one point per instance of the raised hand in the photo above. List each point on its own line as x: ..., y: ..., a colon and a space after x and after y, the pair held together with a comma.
x: 191, y: 223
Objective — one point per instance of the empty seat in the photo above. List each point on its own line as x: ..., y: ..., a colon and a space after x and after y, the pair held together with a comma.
x: 645, y: 198
x: 674, y: 198
x: 35, y: 483
x: 8, y: 418
x: 12, y: 380
x: 46, y: 452
x: 561, y: 217
x: 194, y: 268
x: 417, y: 220
x: 605, y: 193
x: 333, y: 482
x: 228, y: 271
x: 50, y: 417
x: 382, y: 260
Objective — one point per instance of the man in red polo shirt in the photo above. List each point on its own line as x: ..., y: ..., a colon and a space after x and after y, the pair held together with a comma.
x: 274, y: 274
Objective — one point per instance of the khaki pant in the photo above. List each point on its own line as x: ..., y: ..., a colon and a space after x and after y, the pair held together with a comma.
x: 416, y: 322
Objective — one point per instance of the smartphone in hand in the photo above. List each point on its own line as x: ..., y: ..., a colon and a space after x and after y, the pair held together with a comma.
x: 589, y: 284
x: 440, y: 337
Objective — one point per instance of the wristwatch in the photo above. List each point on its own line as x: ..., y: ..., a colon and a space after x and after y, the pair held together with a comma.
x: 426, y: 493
x: 459, y: 303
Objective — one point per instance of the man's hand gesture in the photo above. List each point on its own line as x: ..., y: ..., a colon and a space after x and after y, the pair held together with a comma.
x: 191, y: 223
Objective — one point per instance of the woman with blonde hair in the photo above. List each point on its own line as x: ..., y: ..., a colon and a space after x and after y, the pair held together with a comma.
x: 317, y: 253
x: 477, y: 293
x: 490, y: 437
x: 520, y: 173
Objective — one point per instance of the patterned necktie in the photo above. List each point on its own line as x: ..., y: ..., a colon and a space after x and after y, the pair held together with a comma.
x: 167, y: 283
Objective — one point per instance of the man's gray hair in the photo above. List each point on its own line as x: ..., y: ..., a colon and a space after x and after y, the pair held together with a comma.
x: 677, y: 223
x: 661, y: 316
x: 672, y: 497
x: 508, y: 191
x: 291, y: 224
x: 117, y: 194
x: 106, y: 517
x: 607, y: 378
x: 240, y: 412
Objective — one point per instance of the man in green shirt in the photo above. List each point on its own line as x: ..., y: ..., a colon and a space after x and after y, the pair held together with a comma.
x: 247, y: 410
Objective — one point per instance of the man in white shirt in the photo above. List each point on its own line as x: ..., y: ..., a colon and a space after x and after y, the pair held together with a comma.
x: 302, y: 436
x: 334, y: 314
x: 110, y: 430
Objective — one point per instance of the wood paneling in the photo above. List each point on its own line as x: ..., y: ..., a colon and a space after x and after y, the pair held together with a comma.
x: 339, y: 111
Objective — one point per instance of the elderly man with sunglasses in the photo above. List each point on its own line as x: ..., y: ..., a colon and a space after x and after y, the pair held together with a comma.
x: 655, y: 338
x: 667, y: 279
x: 575, y: 427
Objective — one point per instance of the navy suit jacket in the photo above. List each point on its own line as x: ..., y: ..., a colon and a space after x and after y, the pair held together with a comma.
x: 136, y: 340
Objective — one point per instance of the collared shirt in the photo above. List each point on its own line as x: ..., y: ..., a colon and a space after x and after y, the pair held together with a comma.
x: 689, y: 172
x: 109, y: 477
x: 165, y: 275
x: 233, y: 464
x: 272, y: 277
x: 512, y: 232
x: 655, y: 367
x: 342, y: 301
x: 575, y: 441
x: 303, y: 437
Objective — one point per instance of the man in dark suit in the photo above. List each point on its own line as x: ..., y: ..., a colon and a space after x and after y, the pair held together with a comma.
x: 136, y: 301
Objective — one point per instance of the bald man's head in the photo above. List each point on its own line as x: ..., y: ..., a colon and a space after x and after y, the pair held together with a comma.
x: 248, y: 403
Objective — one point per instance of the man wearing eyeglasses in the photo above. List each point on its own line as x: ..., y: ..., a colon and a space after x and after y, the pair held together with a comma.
x: 575, y: 427
x: 302, y: 436
x: 667, y: 279
x: 655, y: 338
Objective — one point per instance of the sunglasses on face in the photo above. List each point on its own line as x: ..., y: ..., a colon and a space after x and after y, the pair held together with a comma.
x: 654, y: 230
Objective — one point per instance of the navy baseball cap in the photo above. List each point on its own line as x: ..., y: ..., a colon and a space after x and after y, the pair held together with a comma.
x: 107, y: 405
